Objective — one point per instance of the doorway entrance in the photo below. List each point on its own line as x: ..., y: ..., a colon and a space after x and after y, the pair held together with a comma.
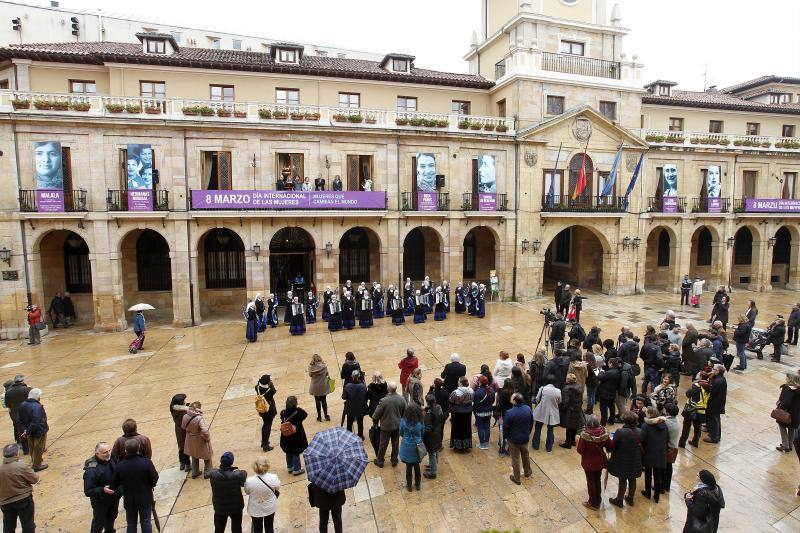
x: 291, y: 262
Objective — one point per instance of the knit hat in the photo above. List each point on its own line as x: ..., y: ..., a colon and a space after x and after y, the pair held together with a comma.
x: 19, y: 378
x: 708, y: 478
x: 226, y: 461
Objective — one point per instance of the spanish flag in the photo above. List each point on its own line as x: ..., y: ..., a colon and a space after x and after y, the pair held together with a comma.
x: 581, y: 185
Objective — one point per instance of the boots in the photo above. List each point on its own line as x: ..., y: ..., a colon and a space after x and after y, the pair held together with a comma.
x: 195, y: 468
x: 206, y: 469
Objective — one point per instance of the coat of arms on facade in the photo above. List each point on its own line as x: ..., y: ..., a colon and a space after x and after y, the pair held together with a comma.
x: 630, y: 161
x: 581, y: 129
x: 531, y: 158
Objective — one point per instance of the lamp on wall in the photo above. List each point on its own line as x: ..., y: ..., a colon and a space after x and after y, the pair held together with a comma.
x: 636, y: 242
x: 5, y: 255
x: 771, y: 242
x: 536, y: 245
x: 328, y: 248
x: 730, y: 242
x: 525, y: 245
x: 626, y: 242
x: 256, y: 250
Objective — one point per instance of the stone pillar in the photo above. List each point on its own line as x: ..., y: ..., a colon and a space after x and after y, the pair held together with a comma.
x: 722, y: 256
x: 760, y: 267
x: 106, y: 281
x: 194, y: 257
x: 23, y: 75
x: 794, y: 266
x: 179, y: 263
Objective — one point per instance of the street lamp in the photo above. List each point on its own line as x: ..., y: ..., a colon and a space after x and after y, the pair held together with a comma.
x: 525, y: 244
x: 626, y: 242
x: 636, y: 242
x: 771, y: 242
x: 256, y: 250
x: 5, y: 255
x: 730, y: 242
x: 536, y: 245
x: 328, y: 248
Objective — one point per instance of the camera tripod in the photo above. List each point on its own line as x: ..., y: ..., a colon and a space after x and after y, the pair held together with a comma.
x: 545, y: 328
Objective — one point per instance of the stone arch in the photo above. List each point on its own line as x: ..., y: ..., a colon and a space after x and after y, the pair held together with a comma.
x: 359, y: 255
x: 480, y: 250
x: 221, y: 271
x: 64, y: 266
x: 661, y: 259
x: 146, y: 272
x: 745, y: 256
x: 706, y: 255
x: 785, y: 269
x: 423, y: 254
x: 579, y: 255
x: 292, y: 261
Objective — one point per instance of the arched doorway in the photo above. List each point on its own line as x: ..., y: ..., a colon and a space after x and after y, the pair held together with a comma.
x: 661, y: 260
x: 359, y: 256
x: 575, y: 256
x: 781, y: 257
x: 422, y: 254
x: 742, y: 271
x: 479, y: 255
x: 222, y: 275
x: 705, y: 257
x: 65, y: 268
x: 291, y: 254
x: 574, y: 175
x: 147, y: 273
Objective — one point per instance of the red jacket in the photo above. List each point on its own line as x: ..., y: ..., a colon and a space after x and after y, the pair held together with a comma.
x: 34, y: 317
x: 407, y: 365
x: 592, y: 445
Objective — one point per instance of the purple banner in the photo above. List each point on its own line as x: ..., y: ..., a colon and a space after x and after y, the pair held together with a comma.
x: 140, y: 199
x: 715, y: 205
x: 50, y: 201
x: 771, y: 205
x: 670, y: 204
x: 288, y: 200
x: 427, y: 201
x: 487, y: 201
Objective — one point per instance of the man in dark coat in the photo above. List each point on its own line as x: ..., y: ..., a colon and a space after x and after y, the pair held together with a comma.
x: 98, y: 474
x: 716, y: 403
x: 135, y: 478
x: 56, y: 311
x: 69, y: 309
x: 741, y: 336
x: 226, y: 494
x: 329, y: 505
x: 592, y: 338
x: 652, y: 361
x: 517, y: 425
x: 608, y: 384
x: 15, y: 395
x: 686, y: 287
x: 557, y: 330
x: 576, y: 331
x: 687, y: 346
x: 703, y: 505
x: 700, y: 357
x: 557, y: 295
x: 793, y: 325
x: 777, y: 334
x: 33, y: 426
x: 452, y: 372
x: 564, y: 300
x: 129, y: 431
x: 558, y: 366
x: 629, y: 350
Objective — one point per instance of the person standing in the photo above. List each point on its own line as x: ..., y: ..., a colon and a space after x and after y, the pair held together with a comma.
x: 407, y: 365
x: 789, y: 401
x: 15, y: 395
x: 517, y: 426
x: 139, y: 327
x: 452, y: 372
x: 483, y: 407
x: 655, y: 441
x: 330, y: 507
x: 570, y: 410
x: 741, y: 336
x: 69, y: 309
x: 687, y: 347
x: 460, y: 408
x: 626, y: 458
x: 376, y: 391
x: 297, y: 323
x: 263, y: 489
x: 272, y: 311
x: 293, y: 436
x: 414, y: 390
x: 350, y: 364
x: 198, y: 440
x: 716, y: 403
x: 674, y: 430
x: 319, y: 387
x: 411, y: 430
x: 557, y: 295
x: 355, y: 402
x: 334, y: 308
x: 16, y: 491
x: 34, y: 317
x: 129, y: 431
x: 686, y: 288
x: 226, y: 494
x: 98, y: 474
x: 751, y: 313
x: 502, y: 368
x: 703, y: 505
x: 177, y: 408
x: 557, y: 332
x: 694, y: 411
x: 56, y: 311
x: 607, y: 386
x: 777, y: 335
x: 592, y: 446
x: 261, y: 319
x: 33, y: 425
x: 251, y: 331
x: 793, y: 325
x: 387, y: 416
x: 697, y: 291
x: 267, y: 390
x: 433, y: 434
x: 546, y: 413
x: 135, y: 478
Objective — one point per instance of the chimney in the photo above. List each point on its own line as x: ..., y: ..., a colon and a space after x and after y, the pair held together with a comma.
x: 616, y: 15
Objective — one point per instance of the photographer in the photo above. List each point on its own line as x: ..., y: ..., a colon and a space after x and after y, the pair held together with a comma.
x: 557, y: 330
x: 34, y: 318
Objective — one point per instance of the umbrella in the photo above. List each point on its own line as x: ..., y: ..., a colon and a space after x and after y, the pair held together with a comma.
x: 335, y: 459
x: 141, y: 307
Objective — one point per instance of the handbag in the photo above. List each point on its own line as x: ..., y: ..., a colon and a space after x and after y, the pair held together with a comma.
x: 40, y: 326
x: 422, y: 451
x: 331, y: 384
x: 782, y: 416
x: 672, y: 455
x: 784, y: 349
x: 277, y: 493
x: 287, y: 428
x: 693, y: 300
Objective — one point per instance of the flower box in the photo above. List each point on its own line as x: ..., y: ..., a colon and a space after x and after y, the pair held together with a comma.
x: 224, y: 112
x: 264, y: 113
x: 60, y: 106
x: 463, y: 124
x: 152, y: 110
x: 81, y: 106
x: 191, y: 110
x: 297, y: 116
x: 502, y: 128
x: 115, y: 108
x: 133, y: 109
x: 401, y: 121
x: 355, y: 119
x: 311, y: 116
x: 416, y: 121
x: 475, y: 126
x: 765, y: 144
x: 339, y: 118
x: 42, y: 104
x: 206, y: 111
x: 724, y: 142
x: 488, y: 127
x: 240, y: 114
x: 21, y: 104
x: 442, y: 123
x: 280, y: 115
x: 371, y: 120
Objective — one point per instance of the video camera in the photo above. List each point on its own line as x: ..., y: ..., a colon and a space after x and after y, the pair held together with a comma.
x: 549, y: 316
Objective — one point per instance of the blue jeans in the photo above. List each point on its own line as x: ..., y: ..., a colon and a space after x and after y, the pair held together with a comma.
x: 293, y: 462
x: 433, y: 462
x: 650, y: 376
x: 741, y: 353
x: 537, y: 435
x: 591, y: 393
x: 483, y: 423
x: 144, y: 511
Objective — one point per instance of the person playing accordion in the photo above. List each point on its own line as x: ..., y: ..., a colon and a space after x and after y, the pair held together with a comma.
x: 326, y: 298
x: 396, y: 307
x: 420, y: 302
x: 348, y: 311
x: 365, y: 311
x: 272, y: 311
x: 480, y: 306
x: 287, y: 312
x: 297, y: 325
x: 461, y: 302
x: 334, y: 314
x: 446, y: 293
x: 311, y: 308
x: 439, y: 312
x: 408, y: 297
x: 377, y: 301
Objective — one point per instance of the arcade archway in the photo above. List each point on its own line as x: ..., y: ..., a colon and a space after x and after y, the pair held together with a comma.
x: 743, y: 257
x: 479, y: 255
x: 222, y: 276
x: 705, y: 260
x: 422, y: 254
x: 359, y: 256
x: 575, y: 256
x: 146, y: 273
x: 661, y: 260
x: 65, y: 269
x: 291, y: 262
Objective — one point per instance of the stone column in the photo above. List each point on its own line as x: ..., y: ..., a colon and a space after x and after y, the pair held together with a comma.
x: 794, y: 268
x: 760, y: 267
x: 106, y: 281
x: 179, y: 263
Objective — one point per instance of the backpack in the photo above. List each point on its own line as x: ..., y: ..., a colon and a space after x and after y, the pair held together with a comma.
x: 261, y: 404
x: 287, y: 428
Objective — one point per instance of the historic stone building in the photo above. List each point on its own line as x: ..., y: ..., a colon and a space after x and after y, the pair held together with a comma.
x: 155, y: 172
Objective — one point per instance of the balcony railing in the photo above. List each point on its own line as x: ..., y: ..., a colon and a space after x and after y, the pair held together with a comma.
x: 565, y: 203
x: 470, y: 202
x: 722, y: 141
x: 250, y: 112
x: 584, y: 66
x: 117, y: 200
x: 74, y: 201
x: 718, y: 205
x: 656, y: 204
x: 410, y: 201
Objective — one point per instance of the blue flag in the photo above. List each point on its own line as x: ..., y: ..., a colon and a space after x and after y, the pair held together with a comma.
x: 612, y: 176
x: 633, y: 182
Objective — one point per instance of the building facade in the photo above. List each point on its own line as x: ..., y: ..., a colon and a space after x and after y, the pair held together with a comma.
x: 156, y: 172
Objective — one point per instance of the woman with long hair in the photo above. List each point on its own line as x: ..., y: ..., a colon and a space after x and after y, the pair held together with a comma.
x: 411, y: 430
x: 461, y: 417
x: 483, y: 407
x: 177, y: 408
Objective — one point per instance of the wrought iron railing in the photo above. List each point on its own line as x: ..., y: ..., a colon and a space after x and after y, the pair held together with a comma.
x: 74, y: 200
x: 565, y: 203
x: 117, y: 200
x: 410, y: 201
x: 584, y: 66
x: 656, y: 204
x: 470, y: 202
x: 700, y: 205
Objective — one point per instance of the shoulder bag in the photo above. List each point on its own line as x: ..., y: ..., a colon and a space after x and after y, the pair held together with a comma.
x: 287, y: 428
x: 782, y: 416
x: 277, y: 493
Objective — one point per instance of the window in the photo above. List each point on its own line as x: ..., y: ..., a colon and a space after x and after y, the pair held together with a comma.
x: 351, y: 100
x: 602, y: 180
x: 156, y: 46
x: 289, y: 166
x: 287, y: 56
x: 4, y: 84
x: 749, y: 178
x: 752, y: 128
x: 176, y: 35
x: 675, y: 124
x: 287, y: 96
x: 548, y: 179
x: 555, y: 105
x: 664, y: 90
x: 217, y: 174
x: 780, y: 98
x: 322, y: 53
x: 743, y: 247
x: 704, y: 249
x: 460, y: 107
x: 341, y: 56
x: 82, y: 86
x: 152, y: 89
x: 572, y: 47
x: 609, y: 110
x: 77, y: 268
x: 714, y: 126
x: 359, y: 168
x: 500, y: 69
x: 406, y: 104
x: 786, y: 131
x: 659, y: 182
x: 214, y: 43
x: 153, y: 267
x: 468, y: 271
x: 237, y: 44
x: 400, y: 65
x: 224, y: 260
x: 223, y: 93
x: 563, y: 247
x: 501, y: 108
x: 663, y: 248
x: 789, y: 182
x: 354, y: 255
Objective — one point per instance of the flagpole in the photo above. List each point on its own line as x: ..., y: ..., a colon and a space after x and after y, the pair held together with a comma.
x: 551, y: 192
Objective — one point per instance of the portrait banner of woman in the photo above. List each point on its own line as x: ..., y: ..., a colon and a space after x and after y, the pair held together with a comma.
x: 487, y: 183
x: 714, y: 188
x: 49, y: 176
x: 425, y: 171
x: 670, y: 197
x: 140, y: 177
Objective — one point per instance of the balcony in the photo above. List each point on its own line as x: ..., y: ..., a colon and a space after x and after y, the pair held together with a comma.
x: 655, y: 204
x: 582, y: 66
x: 251, y: 113
x: 74, y: 201
x: 722, y: 141
x: 471, y: 202
x: 438, y: 201
x: 765, y: 206
x: 563, y: 203
x: 117, y: 200
x: 711, y: 205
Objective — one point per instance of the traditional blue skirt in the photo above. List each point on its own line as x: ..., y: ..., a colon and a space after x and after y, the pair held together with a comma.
x: 439, y: 315
x: 325, y: 314
x: 377, y: 310
x: 398, y: 317
x: 480, y: 309
x: 409, y: 309
x: 297, y: 329
x: 348, y: 323
x: 419, y: 316
x: 335, y: 322
x: 365, y: 319
x: 261, y: 320
x: 251, y: 333
x: 287, y: 315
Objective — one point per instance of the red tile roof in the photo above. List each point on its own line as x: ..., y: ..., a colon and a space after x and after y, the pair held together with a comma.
x: 718, y: 100
x: 757, y: 82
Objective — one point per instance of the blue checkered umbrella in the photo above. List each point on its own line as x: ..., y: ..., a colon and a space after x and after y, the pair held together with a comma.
x: 335, y: 459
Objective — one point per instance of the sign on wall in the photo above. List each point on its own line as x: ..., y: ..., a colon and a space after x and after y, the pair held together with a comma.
x: 426, y: 181
x: 140, y: 177
x: 49, y: 176
x: 487, y: 183
x: 670, y: 187
x: 771, y: 205
x: 206, y: 199
x: 714, y: 188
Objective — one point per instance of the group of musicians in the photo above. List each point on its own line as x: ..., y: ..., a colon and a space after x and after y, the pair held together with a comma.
x: 365, y: 304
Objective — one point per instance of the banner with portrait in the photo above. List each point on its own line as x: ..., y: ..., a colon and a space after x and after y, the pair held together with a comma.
x: 139, y: 166
x: 426, y: 181
x: 670, y: 188
x: 487, y: 183
x: 49, y: 176
x: 714, y: 188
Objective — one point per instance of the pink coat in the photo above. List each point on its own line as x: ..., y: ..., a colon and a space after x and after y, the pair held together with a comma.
x: 198, y: 439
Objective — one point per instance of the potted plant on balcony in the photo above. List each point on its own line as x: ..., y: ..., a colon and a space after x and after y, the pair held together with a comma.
x: 765, y: 144
x: 80, y: 106
x: 152, y: 110
x: 223, y: 112
x: 463, y: 124
x: 206, y: 111
x: 489, y: 126
x: 264, y: 113
x: 339, y: 117
x: 60, y: 105
x: 370, y: 119
x: 724, y: 142
x: 355, y: 119
x: 297, y: 116
x: 21, y: 104
x: 240, y: 114
x: 401, y: 121
x: 279, y: 114
x: 134, y: 109
x: 442, y: 123
x: 738, y: 142
x: 42, y: 104
x: 416, y: 121
x: 191, y: 110
x: 115, y: 108
x: 502, y: 128
x: 311, y: 116
x: 475, y: 126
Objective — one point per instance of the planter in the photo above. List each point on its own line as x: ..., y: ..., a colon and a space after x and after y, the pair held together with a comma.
x: 133, y: 109
x: 463, y: 124
x: 371, y: 120
x: 401, y: 121
x: 264, y: 113
x: 765, y: 145
x: 41, y: 104
x: 206, y: 111
x: 311, y: 116
x: 152, y: 110
x: 223, y: 113
x: 355, y: 119
x: 416, y: 121
x: 21, y: 104
x: 297, y: 116
x: 502, y: 128
x: 60, y: 106
x: 340, y: 118
x: 488, y: 127
x: 80, y: 106
x: 442, y: 123
x: 475, y: 126
x: 279, y: 116
x: 240, y: 114
x: 115, y: 108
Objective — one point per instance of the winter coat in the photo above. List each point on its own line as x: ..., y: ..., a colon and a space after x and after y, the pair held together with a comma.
x: 626, y: 380
x: 389, y: 412
x: 626, y: 453
x: 592, y: 338
x: 461, y: 400
x: 702, y: 511
x: 327, y: 500
x: 502, y: 371
x: 651, y: 355
x: 198, y: 439
x: 226, y: 490
x: 789, y: 401
x: 319, y: 379
x: 145, y: 447
x: 794, y: 319
x: 777, y: 334
x: 410, y: 435
x: 262, y: 500
x: 547, y: 401
x: 347, y: 371
x: 577, y: 332
x: 655, y: 438
x: 483, y: 401
x: 177, y: 412
x: 355, y: 400
x: 742, y: 332
x: 720, y: 312
x: 139, y: 324
x: 442, y: 398
x: 407, y: 365
x: 135, y: 478
x: 451, y: 373
x: 571, y: 412
x: 557, y: 330
x: 698, y: 360
x: 608, y: 384
x: 517, y: 424
x: 687, y: 345
x: 15, y: 395
x: 591, y: 377
x: 592, y: 446
x: 674, y: 430
x: 415, y: 391
x: 96, y: 475
x: 434, y: 429
x: 559, y: 367
x: 719, y: 396
x: 375, y: 393
x: 296, y: 443
x: 581, y: 371
x: 32, y: 418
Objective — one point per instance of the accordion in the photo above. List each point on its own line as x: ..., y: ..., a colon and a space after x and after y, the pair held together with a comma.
x: 336, y: 307
x: 421, y: 299
x: 366, y: 304
x: 297, y: 309
x: 396, y: 304
x: 439, y: 298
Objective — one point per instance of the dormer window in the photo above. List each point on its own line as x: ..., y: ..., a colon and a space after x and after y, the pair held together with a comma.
x: 660, y: 87
x: 397, y: 63
x: 400, y: 65
x: 664, y: 90
x: 156, y: 46
x: 287, y: 56
x: 157, y: 43
x: 288, y: 53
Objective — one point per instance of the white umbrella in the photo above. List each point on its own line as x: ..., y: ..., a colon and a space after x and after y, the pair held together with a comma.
x: 141, y: 307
